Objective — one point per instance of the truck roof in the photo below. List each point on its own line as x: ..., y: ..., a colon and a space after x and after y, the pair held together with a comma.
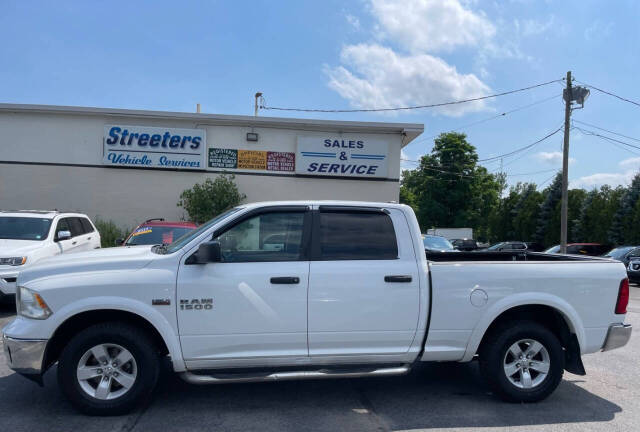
x: 324, y: 202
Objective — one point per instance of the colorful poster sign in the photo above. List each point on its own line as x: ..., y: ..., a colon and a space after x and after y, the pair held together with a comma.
x: 223, y: 158
x: 154, y: 147
x: 342, y: 156
x: 252, y: 159
x: 281, y: 161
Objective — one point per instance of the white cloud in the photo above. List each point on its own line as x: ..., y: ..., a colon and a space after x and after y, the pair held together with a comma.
x: 431, y: 25
x: 551, y: 158
x: 353, y: 21
x: 532, y: 27
x: 633, y: 163
x: 378, y: 77
x: 631, y: 166
x: 598, y: 30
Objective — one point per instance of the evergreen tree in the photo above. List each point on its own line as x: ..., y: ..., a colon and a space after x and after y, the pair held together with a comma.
x: 622, y: 228
x: 552, y: 197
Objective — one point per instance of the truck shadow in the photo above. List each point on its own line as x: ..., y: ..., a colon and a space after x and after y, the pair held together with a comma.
x: 444, y: 395
x: 439, y: 395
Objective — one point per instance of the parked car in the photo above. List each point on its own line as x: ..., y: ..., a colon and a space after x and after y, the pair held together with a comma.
x: 27, y: 236
x: 433, y: 243
x: 590, y: 249
x: 623, y: 253
x: 156, y: 231
x: 507, y: 246
x: 464, y: 244
x: 535, y: 247
x: 349, y: 294
x: 633, y: 270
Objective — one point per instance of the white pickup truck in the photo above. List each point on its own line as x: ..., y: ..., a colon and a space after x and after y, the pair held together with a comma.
x: 289, y: 290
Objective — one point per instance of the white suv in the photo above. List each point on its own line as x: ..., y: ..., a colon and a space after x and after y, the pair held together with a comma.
x: 27, y: 236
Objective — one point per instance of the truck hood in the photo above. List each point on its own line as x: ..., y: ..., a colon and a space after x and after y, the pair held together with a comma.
x: 116, y: 258
x: 11, y: 247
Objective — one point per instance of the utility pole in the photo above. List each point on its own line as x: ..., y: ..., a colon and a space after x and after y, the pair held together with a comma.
x: 565, y: 168
x: 255, y: 105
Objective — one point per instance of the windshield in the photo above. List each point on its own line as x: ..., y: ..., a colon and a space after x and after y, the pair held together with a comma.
x: 436, y: 243
x: 619, y: 252
x: 148, y: 235
x: 196, y: 232
x: 24, y: 228
x: 553, y: 249
x: 496, y: 246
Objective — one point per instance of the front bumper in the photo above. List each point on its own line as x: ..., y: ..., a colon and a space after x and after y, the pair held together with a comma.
x: 24, y: 356
x: 617, y: 336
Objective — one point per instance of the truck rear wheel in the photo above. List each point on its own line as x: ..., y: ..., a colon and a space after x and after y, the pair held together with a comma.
x: 108, y: 369
x: 522, y: 361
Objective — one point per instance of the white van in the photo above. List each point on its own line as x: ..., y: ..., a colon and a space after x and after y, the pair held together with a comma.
x: 27, y: 236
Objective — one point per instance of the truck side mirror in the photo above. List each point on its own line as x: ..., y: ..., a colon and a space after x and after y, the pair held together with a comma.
x: 208, y: 252
x: 63, y: 235
x: 118, y: 242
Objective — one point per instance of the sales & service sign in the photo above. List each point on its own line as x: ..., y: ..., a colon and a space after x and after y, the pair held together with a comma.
x: 342, y: 157
x: 154, y: 147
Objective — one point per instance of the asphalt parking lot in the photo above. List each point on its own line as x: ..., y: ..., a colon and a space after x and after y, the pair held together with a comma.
x: 434, y: 397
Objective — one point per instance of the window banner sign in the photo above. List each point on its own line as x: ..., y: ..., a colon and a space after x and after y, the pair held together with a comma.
x: 154, y: 147
x: 342, y: 157
x: 251, y: 160
x: 223, y: 158
x: 281, y: 161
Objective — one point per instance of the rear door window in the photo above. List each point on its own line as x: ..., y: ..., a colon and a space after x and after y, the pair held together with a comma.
x: 86, y: 225
x: 356, y: 235
x: 76, y: 226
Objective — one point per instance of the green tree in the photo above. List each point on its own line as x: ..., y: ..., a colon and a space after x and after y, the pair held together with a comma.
x: 109, y: 232
x: 449, y: 189
x: 552, y: 195
x: 622, y: 227
x: 210, y: 198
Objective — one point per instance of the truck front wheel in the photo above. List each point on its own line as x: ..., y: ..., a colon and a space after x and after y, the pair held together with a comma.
x: 522, y: 361
x: 108, y: 369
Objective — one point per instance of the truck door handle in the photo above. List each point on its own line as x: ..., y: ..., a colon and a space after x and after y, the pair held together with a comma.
x: 397, y: 278
x: 74, y: 242
x: 285, y: 280
x: 89, y: 238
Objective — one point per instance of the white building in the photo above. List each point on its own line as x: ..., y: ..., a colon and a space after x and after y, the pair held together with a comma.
x: 130, y: 165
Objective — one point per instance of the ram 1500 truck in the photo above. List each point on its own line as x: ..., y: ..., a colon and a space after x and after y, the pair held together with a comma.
x: 289, y: 290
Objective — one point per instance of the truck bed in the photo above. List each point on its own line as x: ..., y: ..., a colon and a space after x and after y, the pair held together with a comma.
x: 505, y: 256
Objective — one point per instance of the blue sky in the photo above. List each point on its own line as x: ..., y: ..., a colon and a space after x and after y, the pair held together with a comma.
x: 347, y: 54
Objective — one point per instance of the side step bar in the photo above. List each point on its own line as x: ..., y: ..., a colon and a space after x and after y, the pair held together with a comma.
x: 193, y: 378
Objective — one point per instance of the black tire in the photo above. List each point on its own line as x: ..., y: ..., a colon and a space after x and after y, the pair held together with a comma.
x: 494, y: 352
x: 133, y: 339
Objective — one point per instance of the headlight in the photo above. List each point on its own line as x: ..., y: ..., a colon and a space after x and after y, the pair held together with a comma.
x: 13, y: 261
x: 31, y: 305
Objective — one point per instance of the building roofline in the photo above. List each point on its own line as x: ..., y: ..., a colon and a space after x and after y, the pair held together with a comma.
x: 410, y: 130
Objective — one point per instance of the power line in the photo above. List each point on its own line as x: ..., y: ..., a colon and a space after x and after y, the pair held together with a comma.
x: 606, y: 130
x: 532, y: 173
x: 429, y: 167
x: 264, y: 106
x: 421, y: 140
x: 609, y: 93
x: 587, y: 132
x: 547, y: 180
x: 511, y: 153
